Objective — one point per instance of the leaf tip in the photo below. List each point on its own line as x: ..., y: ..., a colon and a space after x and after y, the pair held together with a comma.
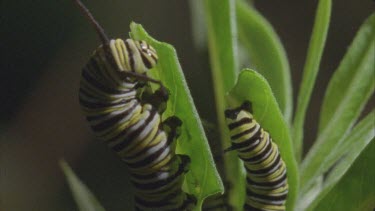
x: 64, y: 166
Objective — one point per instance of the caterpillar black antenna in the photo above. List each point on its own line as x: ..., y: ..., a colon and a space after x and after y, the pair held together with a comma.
x: 103, y: 36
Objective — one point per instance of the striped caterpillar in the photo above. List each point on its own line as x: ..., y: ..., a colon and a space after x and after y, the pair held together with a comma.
x: 128, y: 119
x: 266, y: 177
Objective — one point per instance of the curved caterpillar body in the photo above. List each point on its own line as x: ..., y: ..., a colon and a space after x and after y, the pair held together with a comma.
x: 132, y: 129
x: 267, y: 186
x: 130, y: 123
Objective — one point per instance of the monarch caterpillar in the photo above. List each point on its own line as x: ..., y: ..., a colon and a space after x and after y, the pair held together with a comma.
x: 267, y: 186
x: 130, y: 122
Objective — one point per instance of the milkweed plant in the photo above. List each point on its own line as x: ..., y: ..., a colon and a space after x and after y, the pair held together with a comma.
x: 337, y: 173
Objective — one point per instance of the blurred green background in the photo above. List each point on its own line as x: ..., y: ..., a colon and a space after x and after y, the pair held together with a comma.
x: 43, y: 46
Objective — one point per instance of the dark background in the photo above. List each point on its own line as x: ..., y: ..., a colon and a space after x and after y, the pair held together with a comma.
x: 43, y: 46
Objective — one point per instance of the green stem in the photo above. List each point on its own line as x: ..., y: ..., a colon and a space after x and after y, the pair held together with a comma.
x: 310, y: 71
x: 222, y: 42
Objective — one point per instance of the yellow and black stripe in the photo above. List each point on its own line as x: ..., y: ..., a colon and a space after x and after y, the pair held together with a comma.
x: 267, y: 186
x: 130, y: 125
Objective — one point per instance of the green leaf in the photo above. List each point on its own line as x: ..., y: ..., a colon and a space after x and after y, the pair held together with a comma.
x: 85, y: 200
x: 266, y: 53
x: 253, y: 87
x: 354, y: 70
x: 222, y: 43
x: 355, y: 191
x: 310, y: 71
x: 202, y: 179
x: 340, y: 159
x: 357, y: 85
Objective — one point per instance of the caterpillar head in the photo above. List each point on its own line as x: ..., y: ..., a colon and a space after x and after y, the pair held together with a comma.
x: 133, y: 56
x: 148, y: 54
x: 234, y: 114
x: 129, y: 55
